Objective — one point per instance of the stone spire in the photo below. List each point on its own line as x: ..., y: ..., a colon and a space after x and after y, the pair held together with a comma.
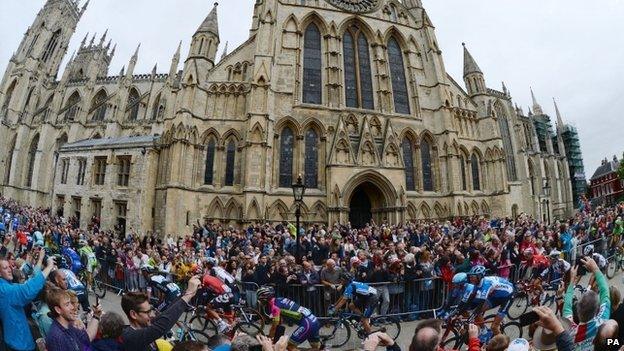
x: 133, y: 61
x: 537, y: 109
x: 92, y: 39
x: 175, y: 60
x: 84, y: 40
x: 559, y: 119
x: 103, y: 38
x: 84, y: 7
x: 470, y: 65
x: 211, y: 23
x: 224, y: 53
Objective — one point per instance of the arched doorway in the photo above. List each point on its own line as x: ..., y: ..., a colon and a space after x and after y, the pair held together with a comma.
x: 366, y: 203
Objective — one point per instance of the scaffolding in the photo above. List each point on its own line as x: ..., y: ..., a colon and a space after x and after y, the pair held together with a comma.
x: 575, y: 162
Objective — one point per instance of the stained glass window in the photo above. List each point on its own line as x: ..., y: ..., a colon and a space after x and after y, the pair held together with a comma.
x: 357, y: 70
x: 312, y: 79
x: 427, y: 171
x: 351, y: 94
x: 133, y: 104
x: 462, y: 166
x: 474, y: 162
x: 287, y: 142
x: 503, y: 124
x: 311, y: 159
x: 32, y: 153
x: 230, y: 157
x: 210, y: 156
x: 408, y: 160
x: 397, y: 73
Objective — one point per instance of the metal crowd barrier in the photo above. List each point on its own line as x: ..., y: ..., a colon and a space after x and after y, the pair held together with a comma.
x: 409, y: 300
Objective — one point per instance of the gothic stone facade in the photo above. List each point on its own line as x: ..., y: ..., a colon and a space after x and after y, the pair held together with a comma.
x: 352, y: 95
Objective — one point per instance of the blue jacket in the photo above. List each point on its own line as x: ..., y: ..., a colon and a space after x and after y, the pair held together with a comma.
x: 13, y: 298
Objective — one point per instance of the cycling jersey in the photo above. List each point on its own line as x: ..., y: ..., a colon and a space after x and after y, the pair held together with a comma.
x: 308, y: 323
x: 556, y: 271
x: 90, y: 259
x: 215, y: 284
x: 223, y: 275
x: 494, y: 287
x: 359, y: 289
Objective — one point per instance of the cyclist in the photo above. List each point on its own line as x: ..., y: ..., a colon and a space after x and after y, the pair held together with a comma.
x: 215, y: 270
x: 280, y: 307
x: 491, y: 292
x: 364, y: 299
x: 556, y: 271
x: 216, y: 294
x: 459, y: 296
x: 533, y: 264
x: 588, y: 251
x: 88, y: 259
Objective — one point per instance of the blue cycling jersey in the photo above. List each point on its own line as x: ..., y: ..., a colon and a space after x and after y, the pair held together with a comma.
x: 358, y: 288
x: 494, y: 287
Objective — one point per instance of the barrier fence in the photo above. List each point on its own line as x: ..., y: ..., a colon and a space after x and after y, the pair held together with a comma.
x: 407, y: 299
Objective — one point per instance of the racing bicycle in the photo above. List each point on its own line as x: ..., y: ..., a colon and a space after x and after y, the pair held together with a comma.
x: 336, y: 332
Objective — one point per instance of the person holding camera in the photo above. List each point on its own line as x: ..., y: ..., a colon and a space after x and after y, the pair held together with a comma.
x: 13, y: 298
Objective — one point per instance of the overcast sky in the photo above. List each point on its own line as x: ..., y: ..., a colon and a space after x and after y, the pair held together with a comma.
x: 572, y: 50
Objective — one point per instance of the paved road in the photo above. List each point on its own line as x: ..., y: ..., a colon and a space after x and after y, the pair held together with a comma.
x: 112, y: 302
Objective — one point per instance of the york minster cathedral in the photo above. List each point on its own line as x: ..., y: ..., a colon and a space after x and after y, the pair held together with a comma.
x: 351, y: 95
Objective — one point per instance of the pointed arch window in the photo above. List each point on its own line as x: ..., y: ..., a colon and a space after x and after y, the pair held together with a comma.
x: 408, y: 161
x: 210, y: 156
x: 230, y: 158
x: 427, y: 169
x: 312, y: 71
x: 357, y: 68
x: 9, y: 161
x: 7, y: 97
x: 98, y: 106
x: 462, y: 166
x: 73, y: 106
x: 503, y: 125
x: 311, y: 159
x: 476, y: 181
x: 133, y: 105
x: 397, y: 73
x: 32, y: 153
x: 159, y: 108
x: 52, y: 44
x: 287, y: 142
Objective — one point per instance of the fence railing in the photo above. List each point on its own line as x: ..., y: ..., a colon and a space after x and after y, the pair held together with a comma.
x: 408, y: 299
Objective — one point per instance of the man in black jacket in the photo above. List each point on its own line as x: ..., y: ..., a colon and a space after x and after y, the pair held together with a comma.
x: 142, y: 332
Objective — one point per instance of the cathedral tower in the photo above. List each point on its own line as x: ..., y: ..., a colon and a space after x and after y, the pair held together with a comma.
x: 204, y: 46
x: 473, y: 76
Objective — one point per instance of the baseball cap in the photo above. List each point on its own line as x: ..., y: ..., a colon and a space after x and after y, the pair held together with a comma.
x: 518, y: 344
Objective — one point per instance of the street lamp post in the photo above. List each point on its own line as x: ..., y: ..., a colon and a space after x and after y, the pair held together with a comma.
x: 546, y: 189
x: 298, y: 191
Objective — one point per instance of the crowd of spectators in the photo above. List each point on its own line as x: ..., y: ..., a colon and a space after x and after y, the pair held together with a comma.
x: 410, y: 264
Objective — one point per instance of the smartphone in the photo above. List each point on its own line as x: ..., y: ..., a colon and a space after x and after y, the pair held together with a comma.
x: 279, y: 332
x: 529, y: 318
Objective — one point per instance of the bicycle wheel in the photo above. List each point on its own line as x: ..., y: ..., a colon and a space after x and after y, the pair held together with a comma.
x: 512, y: 330
x: 334, y: 333
x: 388, y: 325
x: 612, y: 268
x: 201, y: 323
x: 518, y: 307
x: 453, y: 342
x: 195, y: 335
x: 250, y: 315
x: 250, y: 329
x: 99, y: 289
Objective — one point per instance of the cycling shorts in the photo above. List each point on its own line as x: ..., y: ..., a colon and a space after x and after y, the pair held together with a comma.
x: 308, y: 330
x: 223, y: 301
x: 502, y: 302
x: 366, y: 304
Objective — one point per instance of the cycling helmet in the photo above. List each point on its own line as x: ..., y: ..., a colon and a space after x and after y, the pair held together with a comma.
x: 588, y: 250
x: 346, y: 276
x: 460, y: 278
x: 265, y: 293
x: 555, y: 254
x: 477, y: 270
